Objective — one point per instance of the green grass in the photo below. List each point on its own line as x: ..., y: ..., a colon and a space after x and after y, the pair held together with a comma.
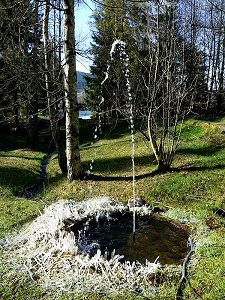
x: 19, y: 168
x: 190, y: 192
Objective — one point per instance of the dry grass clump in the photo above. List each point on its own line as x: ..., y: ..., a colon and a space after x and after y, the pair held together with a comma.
x: 51, y: 257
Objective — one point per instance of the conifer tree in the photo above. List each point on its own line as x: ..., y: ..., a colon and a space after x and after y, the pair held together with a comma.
x: 111, y: 23
x: 21, y: 65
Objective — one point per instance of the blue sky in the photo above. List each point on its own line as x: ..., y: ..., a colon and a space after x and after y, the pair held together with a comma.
x: 83, y: 34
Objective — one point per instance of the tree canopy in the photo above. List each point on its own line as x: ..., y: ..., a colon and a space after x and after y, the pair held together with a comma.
x: 176, y: 65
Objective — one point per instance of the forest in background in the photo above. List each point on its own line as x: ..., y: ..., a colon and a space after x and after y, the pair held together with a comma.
x: 173, y: 57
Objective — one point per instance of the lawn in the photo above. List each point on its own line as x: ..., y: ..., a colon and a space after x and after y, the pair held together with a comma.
x: 191, y: 192
x: 19, y: 168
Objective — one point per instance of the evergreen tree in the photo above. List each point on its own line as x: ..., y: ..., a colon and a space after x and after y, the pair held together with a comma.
x: 20, y: 65
x: 111, y: 23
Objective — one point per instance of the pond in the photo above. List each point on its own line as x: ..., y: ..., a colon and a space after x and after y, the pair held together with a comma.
x: 85, y: 114
x: 154, y: 238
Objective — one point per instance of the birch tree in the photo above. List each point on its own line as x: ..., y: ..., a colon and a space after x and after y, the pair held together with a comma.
x: 52, y: 103
x: 71, y: 105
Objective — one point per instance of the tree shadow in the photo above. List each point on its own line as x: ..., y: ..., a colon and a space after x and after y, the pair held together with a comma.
x: 124, y: 164
x: 120, y: 164
x: 56, y: 179
x: 198, y: 168
x: 95, y: 177
x: 13, y: 141
x: 16, y: 178
x: 89, y: 145
x: 109, y: 131
x: 202, y: 151
x: 153, y: 173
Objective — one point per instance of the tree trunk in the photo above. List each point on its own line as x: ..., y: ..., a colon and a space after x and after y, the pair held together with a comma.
x: 16, y: 109
x: 163, y: 165
x: 52, y: 106
x: 165, y: 90
x: 31, y: 104
x: 220, y: 95
x: 221, y: 59
x: 71, y: 105
x: 32, y: 118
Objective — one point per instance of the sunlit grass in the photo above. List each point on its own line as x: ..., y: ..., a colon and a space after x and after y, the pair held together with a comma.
x: 16, y: 213
x: 194, y: 188
x: 19, y: 168
x: 190, y: 192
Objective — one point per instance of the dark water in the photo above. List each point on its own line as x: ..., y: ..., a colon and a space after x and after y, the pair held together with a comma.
x: 153, y: 238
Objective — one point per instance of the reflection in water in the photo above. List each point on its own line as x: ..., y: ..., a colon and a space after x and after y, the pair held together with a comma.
x: 153, y: 238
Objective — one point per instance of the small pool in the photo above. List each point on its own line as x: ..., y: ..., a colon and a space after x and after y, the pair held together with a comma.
x: 154, y: 238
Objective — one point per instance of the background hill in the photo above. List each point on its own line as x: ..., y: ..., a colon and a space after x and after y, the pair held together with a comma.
x: 81, y: 82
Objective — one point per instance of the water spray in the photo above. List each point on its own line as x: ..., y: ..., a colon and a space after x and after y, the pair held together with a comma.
x: 125, y: 60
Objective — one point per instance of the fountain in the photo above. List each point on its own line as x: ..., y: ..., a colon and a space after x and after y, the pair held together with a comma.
x: 51, y: 248
x: 124, y: 60
x: 88, y: 247
x: 113, y: 233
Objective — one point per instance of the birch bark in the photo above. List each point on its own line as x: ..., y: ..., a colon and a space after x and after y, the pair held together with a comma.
x: 71, y: 105
x: 52, y: 105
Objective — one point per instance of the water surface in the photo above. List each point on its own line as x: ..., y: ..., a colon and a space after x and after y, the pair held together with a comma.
x: 153, y: 238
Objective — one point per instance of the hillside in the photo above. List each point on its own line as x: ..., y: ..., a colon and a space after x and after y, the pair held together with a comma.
x: 189, y: 196
x: 81, y: 82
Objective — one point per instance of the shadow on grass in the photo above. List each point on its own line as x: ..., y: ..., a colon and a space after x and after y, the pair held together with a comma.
x: 88, y: 146
x: 120, y: 164
x: 95, y: 177
x: 14, y: 141
x: 109, y: 131
x: 198, y: 168
x: 154, y: 173
x: 121, y: 178
x: 15, y: 178
x: 203, y: 151
x: 56, y: 179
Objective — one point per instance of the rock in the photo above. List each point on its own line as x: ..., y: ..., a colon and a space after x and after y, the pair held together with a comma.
x: 157, y: 209
x: 211, y: 223
x: 137, y: 202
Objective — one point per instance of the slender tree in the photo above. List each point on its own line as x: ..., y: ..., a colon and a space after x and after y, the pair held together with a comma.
x: 161, y: 83
x: 71, y: 105
x: 51, y: 93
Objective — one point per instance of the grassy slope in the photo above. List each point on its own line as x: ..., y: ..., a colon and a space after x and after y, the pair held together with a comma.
x: 192, y: 190
x: 19, y: 168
